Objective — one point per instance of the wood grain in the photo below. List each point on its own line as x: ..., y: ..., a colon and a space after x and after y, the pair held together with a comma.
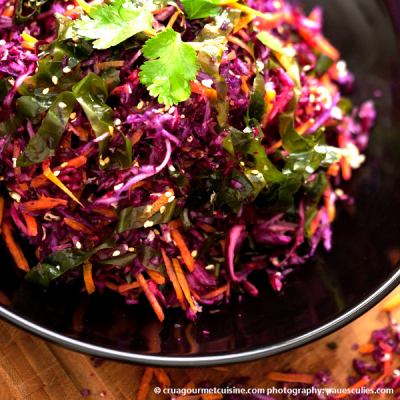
x: 33, y: 369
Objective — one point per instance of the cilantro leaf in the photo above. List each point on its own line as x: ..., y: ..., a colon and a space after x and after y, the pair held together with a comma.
x: 200, y: 8
x: 113, y: 23
x: 172, y: 65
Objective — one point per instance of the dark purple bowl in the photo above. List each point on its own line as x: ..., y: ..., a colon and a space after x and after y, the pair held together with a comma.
x: 328, y: 292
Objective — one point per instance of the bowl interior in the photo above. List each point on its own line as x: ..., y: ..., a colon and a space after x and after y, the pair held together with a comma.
x: 318, y: 297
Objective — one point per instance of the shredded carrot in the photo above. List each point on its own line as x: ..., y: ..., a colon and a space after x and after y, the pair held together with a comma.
x: 362, y: 382
x: 368, y: 348
x: 77, y: 162
x: 162, y: 378
x: 330, y: 204
x: 215, y: 293
x: 208, y: 228
x: 333, y: 169
x: 377, y: 382
x: 202, y: 90
x: 175, y: 224
x: 16, y: 153
x: 346, y: 168
x: 145, y: 383
x: 14, y: 248
x: 48, y: 173
x: 244, y: 85
x: 125, y: 287
x: 222, y: 243
x: 109, y: 64
x: 186, y: 255
x: 184, y: 283
x: 155, y: 12
x: 295, y: 378
x: 1, y: 209
x: 392, y: 303
x: 66, y: 140
x: 27, y: 45
x: 387, y: 365
x: 37, y: 252
x: 78, y: 226
x: 8, y: 12
x: 88, y: 277
x: 243, y: 22
x: 320, y: 43
x: 267, y: 16
x: 150, y: 296
x: 315, y: 223
x: 240, y: 43
x: 31, y: 224
x: 164, y: 199
x: 173, y: 19
x: 44, y: 203
x: 23, y: 186
x: 136, y: 137
x: 136, y: 185
x: 105, y: 211
x: 174, y: 280
x: 156, y: 276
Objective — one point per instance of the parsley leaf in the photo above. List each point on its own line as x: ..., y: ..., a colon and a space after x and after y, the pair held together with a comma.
x: 113, y: 23
x: 172, y: 65
x: 200, y: 8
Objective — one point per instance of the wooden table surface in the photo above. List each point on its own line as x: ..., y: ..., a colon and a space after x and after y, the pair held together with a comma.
x: 34, y: 369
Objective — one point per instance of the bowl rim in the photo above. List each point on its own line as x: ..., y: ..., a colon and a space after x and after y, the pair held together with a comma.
x: 320, y: 331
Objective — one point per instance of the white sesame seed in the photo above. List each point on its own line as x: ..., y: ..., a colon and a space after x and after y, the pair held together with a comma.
x: 339, y: 192
x: 183, y: 116
x: 209, y: 267
x: 15, y: 196
x: 162, y: 209
x: 135, y: 163
x: 70, y: 7
x: 131, y: 249
x: 11, y: 82
x: 72, y: 115
x: 194, y: 253
x: 14, y: 160
x: 78, y: 245
x: 117, y: 187
x: 117, y: 121
x: 171, y: 110
x: 140, y: 105
x: 56, y: 173
x: 101, y: 162
x: 64, y: 164
x: 76, y: 40
x: 254, y: 172
x: 116, y: 253
x: 106, y: 160
x: 171, y: 199
x: 242, y: 163
x: 166, y: 108
x: 148, y: 224
x: 54, y: 79
x: 66, y: 70
x: 62, y: 105
x: 172, y: 168
x: 168, y: 194
x: 190, y: 139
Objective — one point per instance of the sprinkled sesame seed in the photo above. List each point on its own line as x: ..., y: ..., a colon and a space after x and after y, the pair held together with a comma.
x: 135, y: 163
x: 117, y: 122
x: 45, y: 91
x: 140, y: 105
x: 339, y: 192
x: 190, y: 139
x: 66, y: 70
x: 172, y: 168
x: 171, y: 110
x: 254, y: 172
x: 171, y: 199
x: 116, y: 253
x: 56, y: 173
x: 117, y: 187
x: 211, y: 266
x: 166, y: 108
x: 162, y: 209
x: 106, y: 160
x: 76, y: 40
x: 54, y: 79
x: 183, y: 116
x: 78, y: 245
x: 168, y: 194
x: 148, y: 224
x: 72, y: 115
x: 101, y: 162
x: 70, y: 7
x: 14, y: 160
x: 131, y: 249
x: 242, y: 163
x: 64, y: 164
x: 62, y: 105
x: 11, y: 82
x: 15, y: 196
x: 194, y: 253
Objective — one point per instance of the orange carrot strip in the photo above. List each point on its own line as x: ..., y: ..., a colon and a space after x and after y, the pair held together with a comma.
x: 150, y: 296
x: 240, y: 43
x: 186, y: 255
x: 267, y: 16
x: 125, y: 287
x: 368, y: 348
x: 392, y: 303
x: 295, y: 378
x: 175, y: 224
x: 109, y: 64
x: 244, y: 85
x: 377, y: 382
x: 14, y: 248
x: 105, y: 211
x: 243, y: 22
x: 330, y: 204
x: 136, y: 137
x: 1, y: 209
x: 362, y: 382
x: 174, y: 280
x: 44, y: 203
x: 31, y: 224
x: 136, y: 185
x: 346, y: 168
x: 88, y: 277
x: 23, y: 186
x: 78, y: 226
x: 27, y: 45
x: 183, y: 282
x: 162, y: 378
x: 156, y: 276
x: 315, y: 223
x: 320, y: 43
x: 8, y: 12
x: 37, y: 252
x: 16, y: 153
x: 333, y: 169
x: 50, y: 176
x: 162, y: 201
x: 202, y: 90
x: 215, y: 293
x: 77, y: 162
x: 155, y: 12
x: 173, y: 19
x: 208, y: 228
x: 145, y: 383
